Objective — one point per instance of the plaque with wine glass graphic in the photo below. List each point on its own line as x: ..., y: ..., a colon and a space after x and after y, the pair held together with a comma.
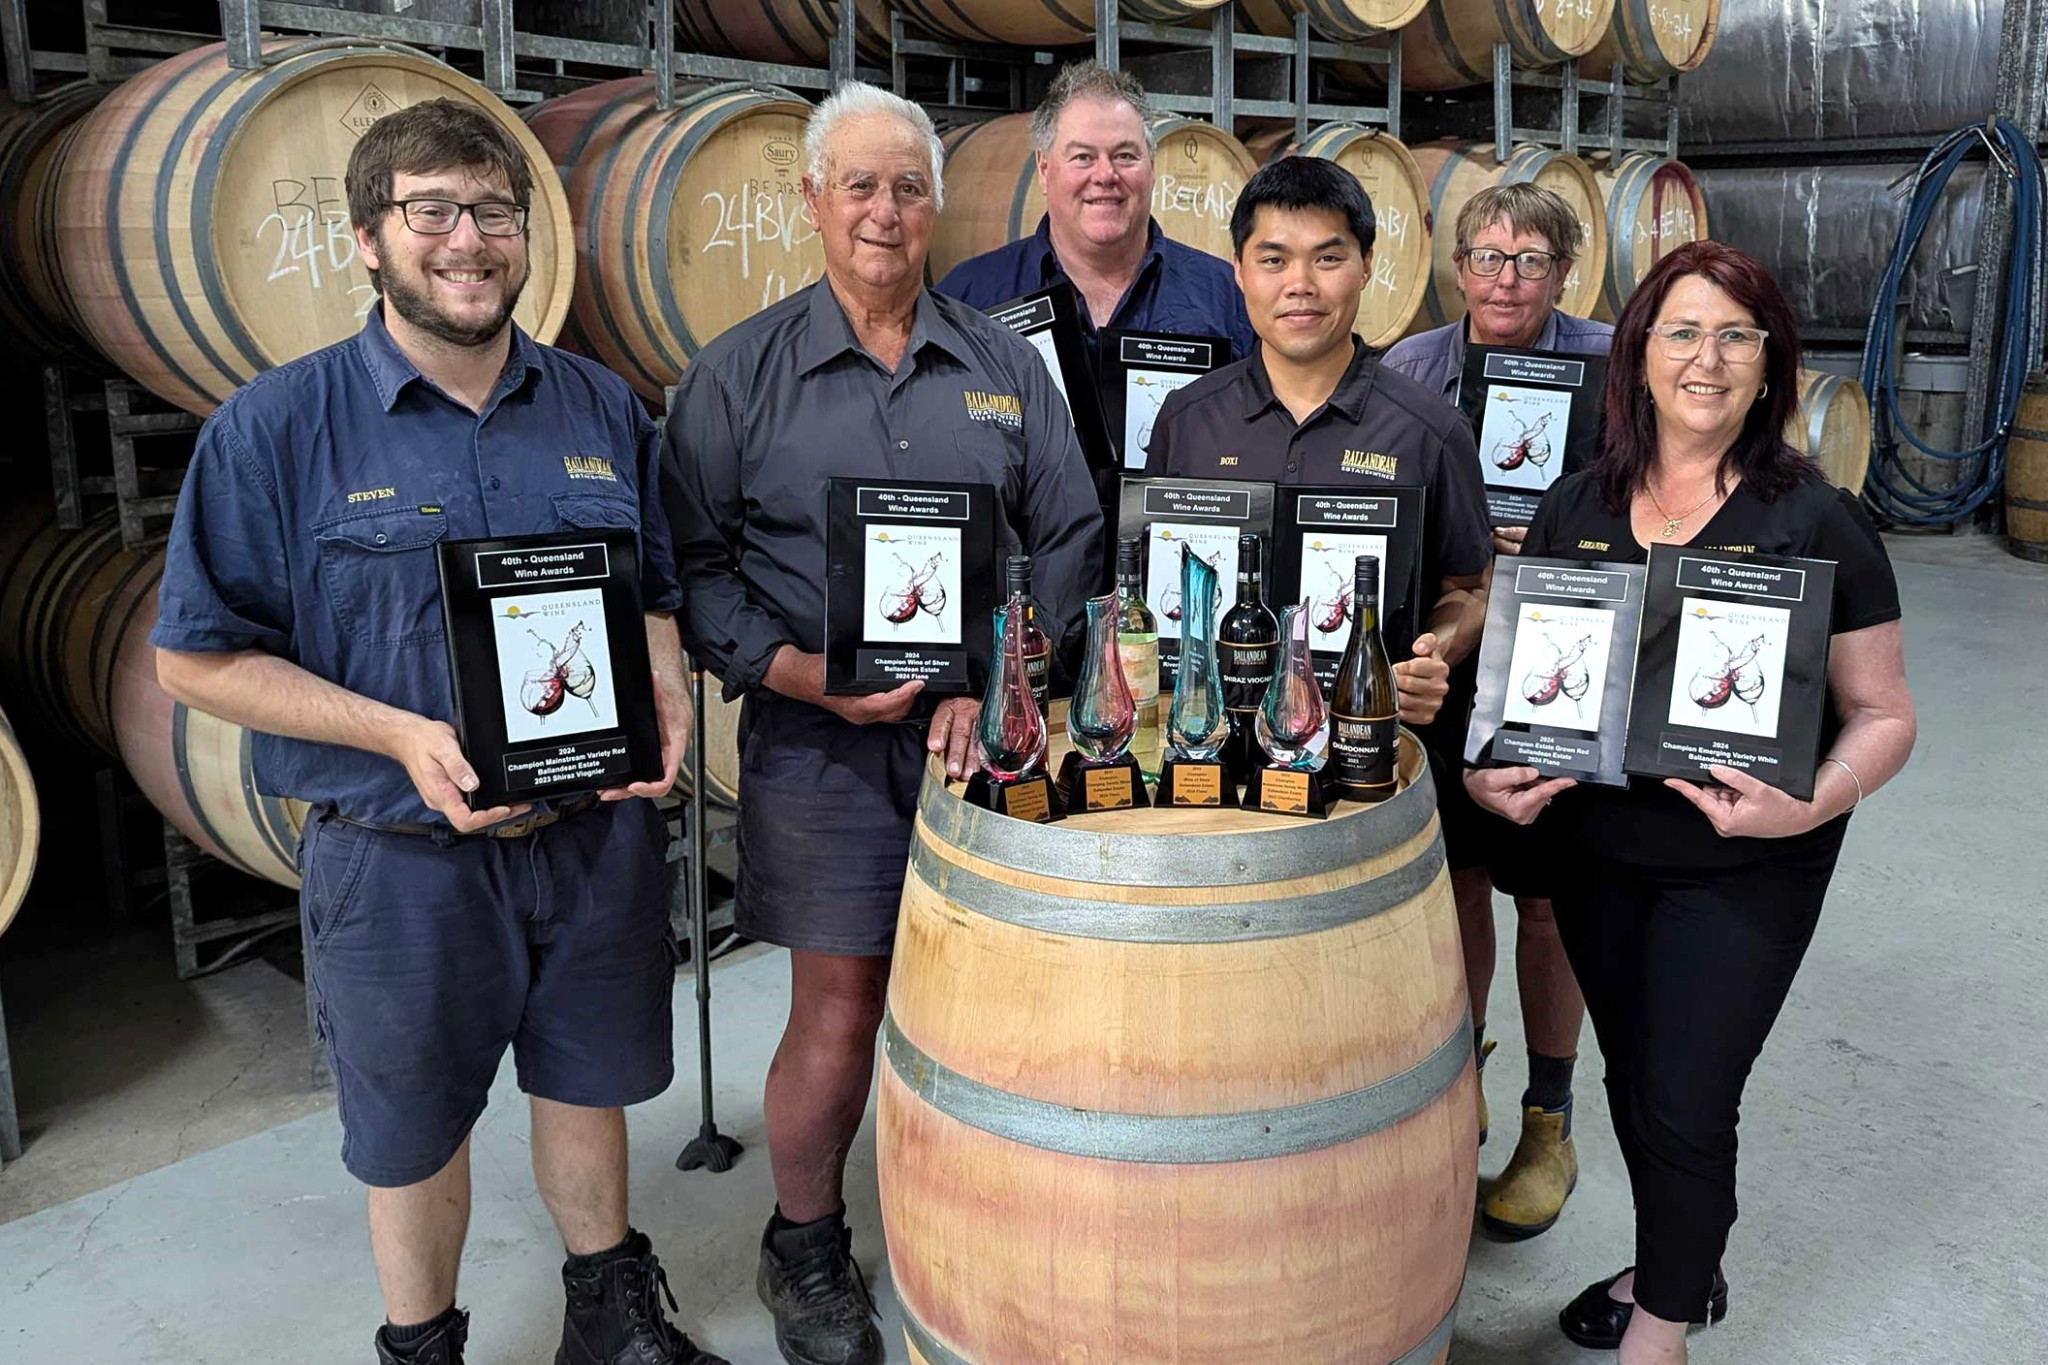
x: 1536, y: 415
x: 1140, y: 371
x: 1732, y: 668
x: 1322, y: 531
x: 547, y: 649
x: 909, y: 585
x: 1205, y: 515
x: 1556, y: 666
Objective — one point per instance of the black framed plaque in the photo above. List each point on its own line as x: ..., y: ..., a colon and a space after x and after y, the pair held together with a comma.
x: 1139, y: 370
x: 1556, y: 667
x: 547, y: 647
x: 1321, y: 532
x: 1733, y: 666
x: 1207, y: 514
x: 910, y: 573
x: 1536, y: 415
x: 1050, y: 320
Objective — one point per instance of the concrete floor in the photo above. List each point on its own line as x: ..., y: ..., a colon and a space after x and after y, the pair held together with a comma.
x: 1890, y: 1178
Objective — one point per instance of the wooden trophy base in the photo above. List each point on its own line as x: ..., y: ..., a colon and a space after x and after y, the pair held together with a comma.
x: 1117, y: 784
x: 1194, y: 784
x: 1286, y: 791
x: 1031, y: 798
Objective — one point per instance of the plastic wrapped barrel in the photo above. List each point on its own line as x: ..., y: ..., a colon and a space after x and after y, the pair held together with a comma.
x: 1178, y: 1086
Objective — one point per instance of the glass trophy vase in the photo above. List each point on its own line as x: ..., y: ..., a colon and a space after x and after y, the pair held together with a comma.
x: 1010, y: 735
x: 1197, y: 725
x: 1293, y: 727
x: 1100, y: 773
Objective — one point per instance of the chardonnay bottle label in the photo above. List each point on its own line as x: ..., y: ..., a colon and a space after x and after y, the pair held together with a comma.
x: 1246, y: 670
x: 1362, y: 751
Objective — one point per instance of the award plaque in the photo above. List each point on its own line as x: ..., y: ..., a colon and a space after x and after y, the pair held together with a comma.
x: 1556, y: 665
x: 547, y: 647
x: 1732, y: 668
x: 909, y: 585
x: 1139, y: 369
x: 1322, y: 531
x: 1208, y: 515
x: 1051, y: 321
x: 1536, y: 415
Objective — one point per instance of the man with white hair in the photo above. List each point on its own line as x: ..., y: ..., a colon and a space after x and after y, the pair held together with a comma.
x: 865, y: 374
x: 1093, y: 139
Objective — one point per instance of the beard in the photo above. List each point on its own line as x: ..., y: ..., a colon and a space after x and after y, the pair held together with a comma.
x: 409, y: 294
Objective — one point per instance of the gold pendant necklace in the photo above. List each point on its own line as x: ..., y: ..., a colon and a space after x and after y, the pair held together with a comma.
x: 1671, y: 523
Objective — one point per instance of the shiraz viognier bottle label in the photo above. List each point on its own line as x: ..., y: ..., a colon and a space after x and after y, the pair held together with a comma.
x: 1246, y: 669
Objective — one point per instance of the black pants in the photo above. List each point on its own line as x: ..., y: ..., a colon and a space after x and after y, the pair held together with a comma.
x: 1684, y: 972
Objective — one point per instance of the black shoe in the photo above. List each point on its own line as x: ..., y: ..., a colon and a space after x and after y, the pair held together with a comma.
x: 823, y: 1312
x: 1597, y: 1320
x: 614, y: 1316
x: 442, y: 1346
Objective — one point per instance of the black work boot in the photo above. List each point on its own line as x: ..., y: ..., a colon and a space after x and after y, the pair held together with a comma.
x: 614, y: 1315
x: 823, y: 1312
x: 442, y: 1346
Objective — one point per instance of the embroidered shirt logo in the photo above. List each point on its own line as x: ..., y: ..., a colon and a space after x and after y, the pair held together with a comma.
x: 1377, y: 463
x: 1594, y: 545
x: 373, y: 495
x: 1001, y: 408
x: 589, y: 467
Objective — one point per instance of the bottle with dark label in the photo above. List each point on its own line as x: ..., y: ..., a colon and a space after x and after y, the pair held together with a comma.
x: 1137, y: 644
x: 1245, y: 645
x: 1037, y: 649
x: 1365, y: 708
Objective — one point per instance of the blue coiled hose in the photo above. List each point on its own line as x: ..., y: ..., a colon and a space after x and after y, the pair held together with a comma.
x: 1893, y: 491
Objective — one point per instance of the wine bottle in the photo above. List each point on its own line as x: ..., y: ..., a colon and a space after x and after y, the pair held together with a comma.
x: 1037, y: 649
x: 1365, y: 708
x: 1245, y: 645
x: 1137, y: 643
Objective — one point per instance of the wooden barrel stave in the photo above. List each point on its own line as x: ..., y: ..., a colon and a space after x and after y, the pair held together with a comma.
x: 38, y: 322
x: 1655, y: 39
x: 1182, y: 1116
x: 188, y: 268
x: 1833, y: 427
x: 1456, y: 171
x: 1653, y: 206
x: 2026, y: 479
x: 669, y: 208
x: 1451, y: 45
x: 796, y: 32
x: 21, y: 824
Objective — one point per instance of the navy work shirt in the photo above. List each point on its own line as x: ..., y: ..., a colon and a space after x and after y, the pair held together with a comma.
x: 1177, y: 289
x: 307, y: 524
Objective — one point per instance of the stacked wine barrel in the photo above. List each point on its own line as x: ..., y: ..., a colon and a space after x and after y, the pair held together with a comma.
x: 1653, y: 207
x: 1654, y: 39
x: 1343, y: 21
x: 688, y: 220
x: 2026, y: 478
x: 38, y: 323
x: 21, y: 824
x: 798, y: 32
x: 1458, y: 170
x: 1452, y: 44
x: 1833, y: 427
x: 203, y: 225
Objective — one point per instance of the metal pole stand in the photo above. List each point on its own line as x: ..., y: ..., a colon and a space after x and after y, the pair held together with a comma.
x: 710, y: 1150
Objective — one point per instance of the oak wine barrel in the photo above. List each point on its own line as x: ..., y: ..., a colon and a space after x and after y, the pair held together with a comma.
x: 1833, y: 427
x: 1198, y: 172
x: 721, y: 748
x: 1653, y: 205
x: 1653, y: 39
x: 21, y: 825
x: 1177, y: 1087
x: 687, y: 220
x: 2026, y: 479
x: 37, y: 321
x: 204, y: 227
x: 1458, y: 170
x: 1023, y: 23
x: 1344, y: 21
x: 1401, y: 237
x: 1168, y: 11
x: 796, y: 32
x: 1451, y: 45
x: 197, y: 769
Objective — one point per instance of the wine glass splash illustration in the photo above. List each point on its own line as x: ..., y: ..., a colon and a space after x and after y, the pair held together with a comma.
x: 918, y: 591
x: 568, y: 673
x: 1736, y: 675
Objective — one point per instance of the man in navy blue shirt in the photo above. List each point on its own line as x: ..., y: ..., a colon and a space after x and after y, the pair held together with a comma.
x: 300, y: 599
x: 1093, y: 140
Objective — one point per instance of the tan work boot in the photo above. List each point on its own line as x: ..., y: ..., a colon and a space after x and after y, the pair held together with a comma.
x: 1527, y: 1199
x: 1479, y: 1075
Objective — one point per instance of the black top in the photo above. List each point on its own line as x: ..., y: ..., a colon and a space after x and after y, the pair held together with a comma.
x: 1379, y: 429
x: 1648, y: 823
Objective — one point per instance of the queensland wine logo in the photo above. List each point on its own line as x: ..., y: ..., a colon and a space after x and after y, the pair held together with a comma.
x: 554, y: 663
x: 1559, y: 667
x: 1377, y: 463
x: 913, y: 581
x: 1731, y: 667
x: 1003, y: 409
x: 589, y: 467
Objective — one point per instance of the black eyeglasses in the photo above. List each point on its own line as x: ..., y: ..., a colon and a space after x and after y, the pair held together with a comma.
x: 439, y: 217
x: 1530, y: 265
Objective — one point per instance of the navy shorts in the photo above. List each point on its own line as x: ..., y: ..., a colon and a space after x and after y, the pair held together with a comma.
x: 427, y: 957
x: 1474, y: 837
x: 826, y: 810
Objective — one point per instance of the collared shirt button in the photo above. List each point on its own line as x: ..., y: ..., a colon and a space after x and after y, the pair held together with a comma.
x: 496, y: 483
x: 903, y: 445
x: 1291, y: 466
x: 380, y: 537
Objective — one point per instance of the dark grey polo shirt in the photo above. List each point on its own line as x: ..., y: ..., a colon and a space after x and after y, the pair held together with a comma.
x: 1379, y: 429
x: 779, y: 405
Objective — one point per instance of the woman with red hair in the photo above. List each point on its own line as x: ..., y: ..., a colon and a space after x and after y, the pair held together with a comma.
x: 1686, y: 908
